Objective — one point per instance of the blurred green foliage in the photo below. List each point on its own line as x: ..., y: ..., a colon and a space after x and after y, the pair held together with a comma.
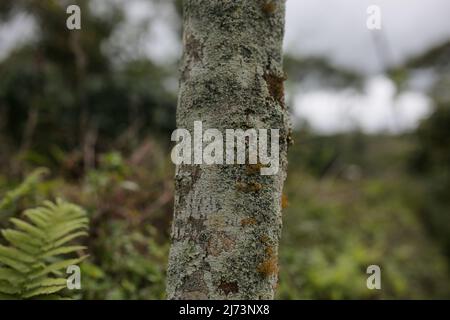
x: 431, y: 162
x: 352, y: 217
x: 336, y: 224
x: 64, y: 90
x: 129, y: 205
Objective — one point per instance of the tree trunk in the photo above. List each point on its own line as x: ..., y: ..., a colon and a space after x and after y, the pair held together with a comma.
x: 227, y: 218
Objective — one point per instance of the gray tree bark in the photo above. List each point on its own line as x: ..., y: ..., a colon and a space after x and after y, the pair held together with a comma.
x: 227, y: 218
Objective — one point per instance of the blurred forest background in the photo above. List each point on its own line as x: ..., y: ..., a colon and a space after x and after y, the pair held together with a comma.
x: 98, y: 114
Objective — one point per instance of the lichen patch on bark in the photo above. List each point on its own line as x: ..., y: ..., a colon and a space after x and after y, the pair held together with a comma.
x: 248, y: 222
x: 275, y: 85
x: 219, y: 243
x: 229, y: 287
x: 193, y: 47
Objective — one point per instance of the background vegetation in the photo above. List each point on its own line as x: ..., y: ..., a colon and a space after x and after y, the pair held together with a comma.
x: 100, y: 122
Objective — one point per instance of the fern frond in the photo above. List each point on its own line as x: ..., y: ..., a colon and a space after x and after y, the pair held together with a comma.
x: 10, y: 275
x: 32, y: 264
x: 46, y: 282
x: 24, y: 188
x: 42, y: 291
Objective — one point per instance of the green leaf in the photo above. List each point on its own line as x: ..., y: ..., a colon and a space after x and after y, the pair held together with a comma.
x: 43, y: 290
x: 28, y: 228
x: 70, y: 237
x: 21, y: 240
x: 10, y: 275
x: 7, y: 288
x: 16, y: 254
x: 63, y: 229
x: 62, y: 250
x: 37, y: 217
x: 19, y: 266
x: 57, y: 266
x: 46, y: 282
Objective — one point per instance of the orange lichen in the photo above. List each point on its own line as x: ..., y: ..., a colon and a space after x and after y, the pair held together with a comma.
x: 269, y: 7
x: 248, y: 187
x: 284, y: 201
x: 269, y: 251
x: 275, y: 85
x: 248, y: 222
x: 255, y: 168
x: 268, y: 267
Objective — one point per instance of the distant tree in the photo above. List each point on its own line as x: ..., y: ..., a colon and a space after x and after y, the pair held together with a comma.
x: 431, y: 158
x: 64, y: 91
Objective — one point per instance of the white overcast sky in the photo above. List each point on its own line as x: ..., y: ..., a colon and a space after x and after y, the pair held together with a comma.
x: 335, y: 29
